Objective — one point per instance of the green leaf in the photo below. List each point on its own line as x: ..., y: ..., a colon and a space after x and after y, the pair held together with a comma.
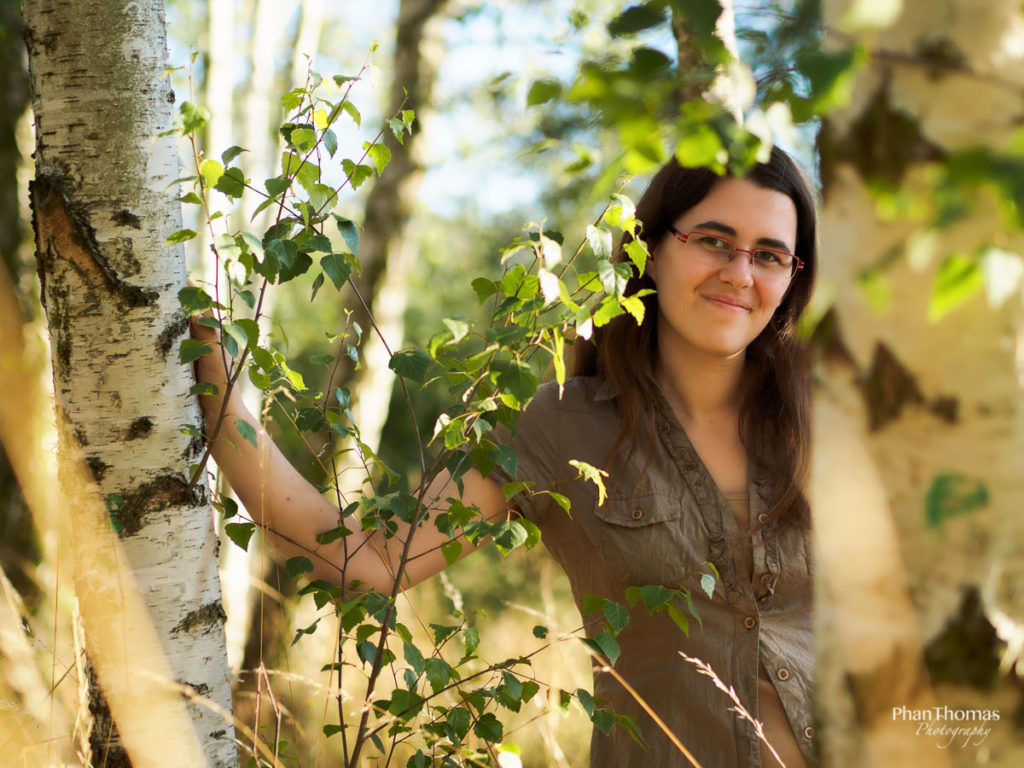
x: 594, y: 475
x: 489, y: 728
x: 679, y: 618
x: 251, y: 329
x: 405, y: 704
x: 952, y: 494
x: 471, y: 637
x: 231, y: 153
x: 586, y: 701
x: 600, y: 240
x: 603, y: 720
x: 349, y: 232
x: 380, y: 154
x: 302, y: 139
x: 194, y: 300
x: 508, y: 534
x: 617, y: 615
x: 540, y: 632
x: 439, y: 673
x: 451, y: 551
x: 515, y: 378
x: 277, y: 185
x: 707, y: 583
x: 356, y: 174
x: 246, y: 430
x: 231, y: 183
x: 411, y: 364
x: 636, y: 18
x: 192, y: 198
x: 655, y: 596
x: 543, y: 91
x: 459, y: 329
x: 192, y: 349
x: 959, y: 278
x: 610, y: 308
x: 458, y: 720
x: 484, y: 288
x: 613, y: 276
x: 203, y: 388
x: 637, y: 252
x: 193, y: 117
x: 318, y: 282
x: 332, y: 730
x: 593, y: 603
x: 180, y: 236
x: 353, y: 112
x: 298, y: 565
x: 240, y: 533
x: 337, y: 267
x: 211, y: 171
x: 606, y: 645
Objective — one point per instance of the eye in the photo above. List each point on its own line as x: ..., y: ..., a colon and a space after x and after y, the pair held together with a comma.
x: 716, y: 244
x: 773, y: 258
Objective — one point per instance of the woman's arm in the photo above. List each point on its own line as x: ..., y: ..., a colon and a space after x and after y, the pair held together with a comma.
x: 287, y: 507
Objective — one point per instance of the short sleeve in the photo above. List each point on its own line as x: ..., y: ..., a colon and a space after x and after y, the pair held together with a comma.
x: 540, y: 455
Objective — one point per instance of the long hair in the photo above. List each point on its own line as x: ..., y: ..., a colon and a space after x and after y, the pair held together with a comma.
x: 775, y: 400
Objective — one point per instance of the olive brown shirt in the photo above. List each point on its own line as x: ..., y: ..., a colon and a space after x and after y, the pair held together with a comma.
x: 662, y: 520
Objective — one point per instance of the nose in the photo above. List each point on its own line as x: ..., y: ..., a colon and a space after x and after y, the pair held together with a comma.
x: 739, y: 271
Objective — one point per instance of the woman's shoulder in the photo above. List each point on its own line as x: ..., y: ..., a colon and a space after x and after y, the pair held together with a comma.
x: 588, y: 397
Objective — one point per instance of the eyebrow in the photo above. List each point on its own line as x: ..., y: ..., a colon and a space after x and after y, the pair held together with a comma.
x: 770, y: 242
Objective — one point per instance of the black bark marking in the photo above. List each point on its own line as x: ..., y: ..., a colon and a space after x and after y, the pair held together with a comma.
x: 126, y: 218
x: 165, y: 341
x: 968, y: 650
x: 827, y: 339
x: 97, y: 467
x: 888, y: 387
x: 139, y: 428
x: 211, y: 614
x: 160, y: 493
x: 194, y: 449
x: 882, y: 144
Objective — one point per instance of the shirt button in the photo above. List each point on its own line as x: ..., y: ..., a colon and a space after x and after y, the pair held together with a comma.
x: 766, y: 579
x: 762, y: 518
x: 750, y: 622
x: 636, y: 514
x: 808, y: 732
x: 782, y: 674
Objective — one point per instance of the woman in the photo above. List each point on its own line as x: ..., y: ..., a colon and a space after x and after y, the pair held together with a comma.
x: 700, y: 415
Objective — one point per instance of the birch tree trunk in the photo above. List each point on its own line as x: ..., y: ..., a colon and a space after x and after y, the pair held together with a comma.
x: 102, y: 215
x: 919, y: 431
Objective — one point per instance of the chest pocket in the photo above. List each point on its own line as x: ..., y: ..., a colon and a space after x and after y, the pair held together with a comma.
x: 645, y: 539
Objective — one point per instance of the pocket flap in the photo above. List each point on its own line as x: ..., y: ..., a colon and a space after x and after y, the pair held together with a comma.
x: 639, y: 511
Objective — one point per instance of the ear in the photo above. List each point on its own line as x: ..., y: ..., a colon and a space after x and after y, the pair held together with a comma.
x: 651, y: 265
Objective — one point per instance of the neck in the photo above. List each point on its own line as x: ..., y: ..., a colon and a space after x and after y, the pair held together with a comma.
x: 700, y: 387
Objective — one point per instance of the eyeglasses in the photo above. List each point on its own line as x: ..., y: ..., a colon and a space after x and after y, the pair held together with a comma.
x: 718, y: 251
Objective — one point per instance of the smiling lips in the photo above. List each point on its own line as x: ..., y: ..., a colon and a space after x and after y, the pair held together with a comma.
x: 728, y: 302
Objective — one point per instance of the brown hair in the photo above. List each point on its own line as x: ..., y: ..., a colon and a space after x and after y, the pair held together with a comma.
x: 775, y: 406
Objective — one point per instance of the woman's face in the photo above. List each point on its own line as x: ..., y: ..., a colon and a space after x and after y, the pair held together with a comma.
x: 719, y: 310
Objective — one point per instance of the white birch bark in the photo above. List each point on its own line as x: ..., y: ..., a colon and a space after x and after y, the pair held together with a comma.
x: 102, y: 216
x: 906, y: 399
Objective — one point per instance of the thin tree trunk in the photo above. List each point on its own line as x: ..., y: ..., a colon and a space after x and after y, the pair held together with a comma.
x: 102, y: 215
x: 385, y: 224
x: 919, y: 427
